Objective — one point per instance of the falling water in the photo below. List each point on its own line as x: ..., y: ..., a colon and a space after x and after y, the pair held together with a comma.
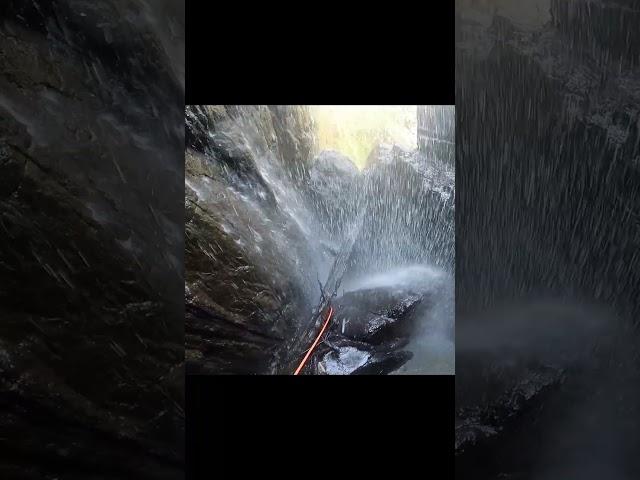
x: 333, y: 227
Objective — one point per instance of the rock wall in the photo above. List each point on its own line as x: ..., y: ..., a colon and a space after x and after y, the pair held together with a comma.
x: 249, y: 272
x: 543, y: 104
x: 548, y: 181
x: 91, y: 338
x: 436, y: 133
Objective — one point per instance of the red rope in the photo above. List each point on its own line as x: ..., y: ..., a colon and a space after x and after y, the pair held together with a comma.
x: 310, y: 351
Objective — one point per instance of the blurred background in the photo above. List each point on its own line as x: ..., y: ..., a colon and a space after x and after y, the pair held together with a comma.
x: 547, y: 237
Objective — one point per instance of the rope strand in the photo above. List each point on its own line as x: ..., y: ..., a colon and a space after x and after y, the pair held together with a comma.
x: 310, y: 351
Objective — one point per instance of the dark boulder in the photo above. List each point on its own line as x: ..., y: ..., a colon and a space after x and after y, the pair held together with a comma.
x: 334, y: 184
x: 384, y: 363
x: 354, y: 358
x: 368, y: 333
x: 375, y: 315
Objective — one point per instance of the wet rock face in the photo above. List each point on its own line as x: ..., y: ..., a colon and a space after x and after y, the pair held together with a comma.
x: 552, y: 99
x: 436, y: 134
x: 330, y: 162
x: 246, y: 259
x: 280, y: 133
x: 374, y: 315
x: 404, y: 200
x: 91, y: 342
x: 334, y: 184
x: 387, y: 154
x: 408, y: 212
